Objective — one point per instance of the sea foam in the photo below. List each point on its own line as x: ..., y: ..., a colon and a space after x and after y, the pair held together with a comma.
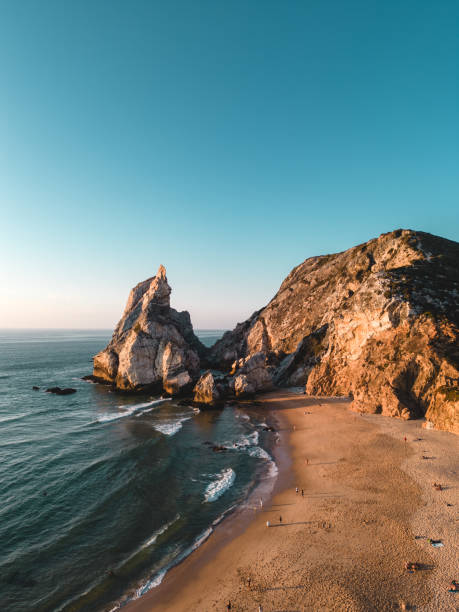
x: 169, y: 428
x: 216, y: 488
x: 158, y: 577
x: 127, y: 410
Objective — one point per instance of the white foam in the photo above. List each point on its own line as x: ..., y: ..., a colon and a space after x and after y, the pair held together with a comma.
x: 259, y: 452
x: 128, y: 410
x: 224, y: 481
x: 158, y: 578
x: 169, y: 428
x: 244, y: 441
x: 150, y: 584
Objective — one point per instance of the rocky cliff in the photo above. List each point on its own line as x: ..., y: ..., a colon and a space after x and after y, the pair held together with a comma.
x: 153, y: 345
x: 378, y: 322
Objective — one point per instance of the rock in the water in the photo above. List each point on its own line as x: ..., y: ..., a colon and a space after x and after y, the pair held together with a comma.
x: 378, y: 322
x: 59, y: 391
x: 205, y: 391
x: 153, y: 345
x: 35, y: 388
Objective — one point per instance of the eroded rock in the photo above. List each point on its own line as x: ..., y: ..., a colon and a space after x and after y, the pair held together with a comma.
x: 153, y: 345
x: 378, y: 322
x: 206, y: 391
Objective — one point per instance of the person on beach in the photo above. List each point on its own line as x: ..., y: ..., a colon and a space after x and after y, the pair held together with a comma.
x: 280, y: 519
x: 228, y: 606
x: 268, y: 524
x: 260, y: 608
x: 296, y: 490
x: 302, y: 492
x: 261, y: 503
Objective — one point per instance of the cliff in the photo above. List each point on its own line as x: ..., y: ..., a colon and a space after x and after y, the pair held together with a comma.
x: 378, y: 322
x: 153, y: 345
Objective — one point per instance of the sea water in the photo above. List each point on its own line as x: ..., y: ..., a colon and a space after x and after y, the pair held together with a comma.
x: 100, y: 492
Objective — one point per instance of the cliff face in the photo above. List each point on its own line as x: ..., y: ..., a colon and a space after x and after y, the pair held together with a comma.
x: 153, y: 345
x: 378, y: 322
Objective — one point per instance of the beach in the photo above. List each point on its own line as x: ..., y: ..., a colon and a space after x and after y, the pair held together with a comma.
x: 368, y: 507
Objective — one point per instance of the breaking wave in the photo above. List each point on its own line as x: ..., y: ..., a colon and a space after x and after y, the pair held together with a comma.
x: 224, y: 481
x: 128, y: 410
x: 169, y: 428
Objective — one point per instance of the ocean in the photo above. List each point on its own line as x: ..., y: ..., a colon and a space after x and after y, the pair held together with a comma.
x: 100, y: 492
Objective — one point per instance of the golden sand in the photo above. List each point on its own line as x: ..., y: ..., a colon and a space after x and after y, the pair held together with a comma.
x: 343, y: 545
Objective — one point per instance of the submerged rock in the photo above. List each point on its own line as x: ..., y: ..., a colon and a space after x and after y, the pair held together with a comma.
x: 378, y: 322
x: 153, y: 345
x: 59, y: 391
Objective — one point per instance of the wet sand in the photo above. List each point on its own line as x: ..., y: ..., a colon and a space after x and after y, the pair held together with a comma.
x: 343, y: 545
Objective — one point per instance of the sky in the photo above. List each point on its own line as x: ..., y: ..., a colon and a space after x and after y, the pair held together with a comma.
x: 228, y: 141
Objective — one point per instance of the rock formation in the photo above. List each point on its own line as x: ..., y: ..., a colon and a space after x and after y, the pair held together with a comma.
x: 378, y: 322
x: 153, y: 345
x: 206, y: 391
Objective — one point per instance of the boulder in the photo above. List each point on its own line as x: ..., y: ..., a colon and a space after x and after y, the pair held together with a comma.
x: 251, y: 375
x: 206, y: 391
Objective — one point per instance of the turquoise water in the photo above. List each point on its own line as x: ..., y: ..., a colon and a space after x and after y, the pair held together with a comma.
x: 101, y: 492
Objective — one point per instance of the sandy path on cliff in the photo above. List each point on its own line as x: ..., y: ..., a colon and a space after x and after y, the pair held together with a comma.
x: 344, y: 544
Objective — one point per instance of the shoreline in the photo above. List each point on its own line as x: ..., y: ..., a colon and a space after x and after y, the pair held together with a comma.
x: 341, y: 546
x: 232, y: 523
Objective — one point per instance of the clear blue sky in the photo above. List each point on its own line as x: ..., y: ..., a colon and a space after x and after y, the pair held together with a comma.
x: 227, y: 140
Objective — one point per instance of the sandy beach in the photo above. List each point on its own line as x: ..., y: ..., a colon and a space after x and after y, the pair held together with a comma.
x: 368, y: 507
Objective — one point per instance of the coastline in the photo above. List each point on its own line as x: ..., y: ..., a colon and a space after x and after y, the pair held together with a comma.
x: 344, y: 544
x: 233, y: 524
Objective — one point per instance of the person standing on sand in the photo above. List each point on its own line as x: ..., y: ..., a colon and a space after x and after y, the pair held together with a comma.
x: 280, y: 519
x: 228, y: 607
x: 296, y: 490
x: 260, y: 608
x: 302, y: 492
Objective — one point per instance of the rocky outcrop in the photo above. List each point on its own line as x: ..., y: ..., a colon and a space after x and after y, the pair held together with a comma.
x: 206, y: 391
x: 251, y: 374
x: 153, y: 345
x: 378, y: 322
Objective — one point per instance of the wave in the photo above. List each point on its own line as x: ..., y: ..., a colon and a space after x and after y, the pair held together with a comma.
x: 243, y: 442
x: 107, y: 417
x: 158, y: 577
x: 14, y: 417
x: 151, y: 540
x: 224, y: 481
x: 249, y: 444
x: 169, y: 428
